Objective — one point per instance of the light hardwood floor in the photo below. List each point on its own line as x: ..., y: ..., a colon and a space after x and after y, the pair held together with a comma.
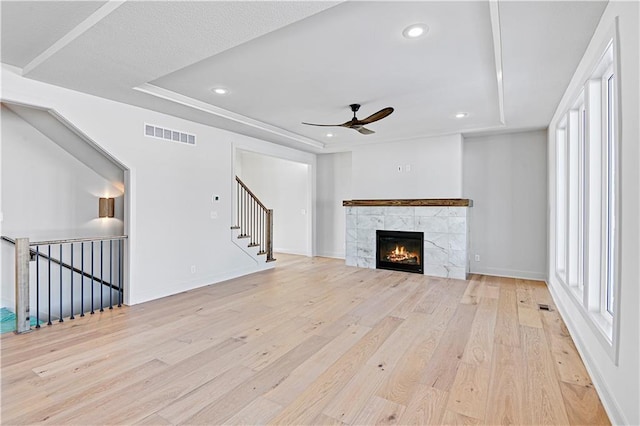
x: 310, y: 342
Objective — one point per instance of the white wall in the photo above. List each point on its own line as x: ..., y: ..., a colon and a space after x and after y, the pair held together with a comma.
x: 371, y: 172
x: 170, y: 188
x: 283, y: 186
x: 435, y: 169
x: 618, y: 384
x: 506, y: 177
x: 47, y: 194
x: 333, y: 186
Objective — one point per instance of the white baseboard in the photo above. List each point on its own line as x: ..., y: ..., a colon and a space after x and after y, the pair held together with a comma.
x: 608, y: 401
x: 510, y: 273
x: 332, y: 254
x: 287, y: 251
x: 209, y: 280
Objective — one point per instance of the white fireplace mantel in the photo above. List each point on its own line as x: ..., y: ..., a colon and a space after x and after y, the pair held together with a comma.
x: 444, y: 222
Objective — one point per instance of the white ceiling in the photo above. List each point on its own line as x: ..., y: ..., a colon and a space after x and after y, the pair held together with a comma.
x: 289, y: 62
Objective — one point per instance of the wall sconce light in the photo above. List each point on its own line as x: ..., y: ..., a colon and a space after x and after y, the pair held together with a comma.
x: 106, y: 207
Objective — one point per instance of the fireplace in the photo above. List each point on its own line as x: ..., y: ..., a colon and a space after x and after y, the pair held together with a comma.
x: 400, y: 251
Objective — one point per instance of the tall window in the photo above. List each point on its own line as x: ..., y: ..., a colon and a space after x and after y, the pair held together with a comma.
x: 586, y: 197
x: 582, y: 195
x: 561, y: 201
x: 611, y: 164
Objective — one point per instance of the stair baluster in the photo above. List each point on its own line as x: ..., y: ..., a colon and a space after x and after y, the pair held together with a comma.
x: 254, y: 221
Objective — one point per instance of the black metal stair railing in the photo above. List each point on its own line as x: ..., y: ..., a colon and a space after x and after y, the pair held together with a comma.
x: 87, y: 275
x: 253, y: 220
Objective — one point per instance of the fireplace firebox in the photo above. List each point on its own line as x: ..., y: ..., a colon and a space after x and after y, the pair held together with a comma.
x: 400, y: 251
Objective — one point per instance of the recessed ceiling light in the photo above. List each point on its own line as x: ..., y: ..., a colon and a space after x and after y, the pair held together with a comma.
x: 415, y: 31
x: 220, y: 91
x: 462, y: 114
x: 329, y: 135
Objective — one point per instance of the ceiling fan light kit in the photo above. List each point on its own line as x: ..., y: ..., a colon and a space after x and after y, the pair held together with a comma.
x: 358, y: 125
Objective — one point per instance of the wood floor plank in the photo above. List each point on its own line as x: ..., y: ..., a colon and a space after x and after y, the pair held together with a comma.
x: 443, y: 365
x: 524, y: 294
x: 479, y: 348
x: 181, y: 409
x: 469, y: 392
x: 583, y: 405
x: 311, y: 369
x: 426, y: 406
x: 175, y: 383
x: 568, y: 363
x: 453, y: 418
x: 309, y: 338
x: 435, y: 293
x: 379, y: 411
x: 529, y: 317
x: 310, y: 403
x: 507, y: 331
x: 390, y: 352
x: 353, y: 397
x: 542, y: 389
x: 221, y: 410
x: 77, y: 394
x: 257, y: 412
x: 470, y: 296
x: 154, y: 420
x: 567, y: 360
x: 325, y: 420
x: 505, y: 402
x: 405, y: 378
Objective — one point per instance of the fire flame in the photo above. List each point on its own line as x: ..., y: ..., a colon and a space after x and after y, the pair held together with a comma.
x: 400, y: 254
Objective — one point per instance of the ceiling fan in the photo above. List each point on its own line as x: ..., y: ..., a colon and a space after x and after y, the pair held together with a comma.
x: 356, y: 124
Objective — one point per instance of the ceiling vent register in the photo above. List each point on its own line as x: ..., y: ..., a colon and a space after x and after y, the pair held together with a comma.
x: 169, y: 134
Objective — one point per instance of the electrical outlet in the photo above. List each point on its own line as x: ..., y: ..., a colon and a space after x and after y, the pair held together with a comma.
x: 193, y: 269
x: 214, y: 214
x: 407, y: 168
x: 477, y: 258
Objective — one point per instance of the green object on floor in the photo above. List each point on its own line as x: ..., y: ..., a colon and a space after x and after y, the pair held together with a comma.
x: 9, y: 320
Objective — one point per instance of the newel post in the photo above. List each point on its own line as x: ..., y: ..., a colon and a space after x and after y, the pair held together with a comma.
x: 22, y: 285
x: 270, y: 235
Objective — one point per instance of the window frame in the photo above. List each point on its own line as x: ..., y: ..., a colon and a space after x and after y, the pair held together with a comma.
x: 595, y: 198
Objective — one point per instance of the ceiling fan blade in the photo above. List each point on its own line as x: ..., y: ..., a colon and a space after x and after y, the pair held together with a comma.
x: 323, y: 125
x: 377, y: 116
x: 364, y: 130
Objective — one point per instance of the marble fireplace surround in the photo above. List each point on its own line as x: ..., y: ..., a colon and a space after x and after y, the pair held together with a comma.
x: 445, y: 223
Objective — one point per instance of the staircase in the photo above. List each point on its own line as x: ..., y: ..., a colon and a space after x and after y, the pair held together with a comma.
x: 253, y: 231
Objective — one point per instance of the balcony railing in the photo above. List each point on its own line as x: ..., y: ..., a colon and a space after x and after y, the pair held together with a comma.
x: 72, y: 277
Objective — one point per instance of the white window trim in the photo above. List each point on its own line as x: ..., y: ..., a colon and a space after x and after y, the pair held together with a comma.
x: 591, y: 303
